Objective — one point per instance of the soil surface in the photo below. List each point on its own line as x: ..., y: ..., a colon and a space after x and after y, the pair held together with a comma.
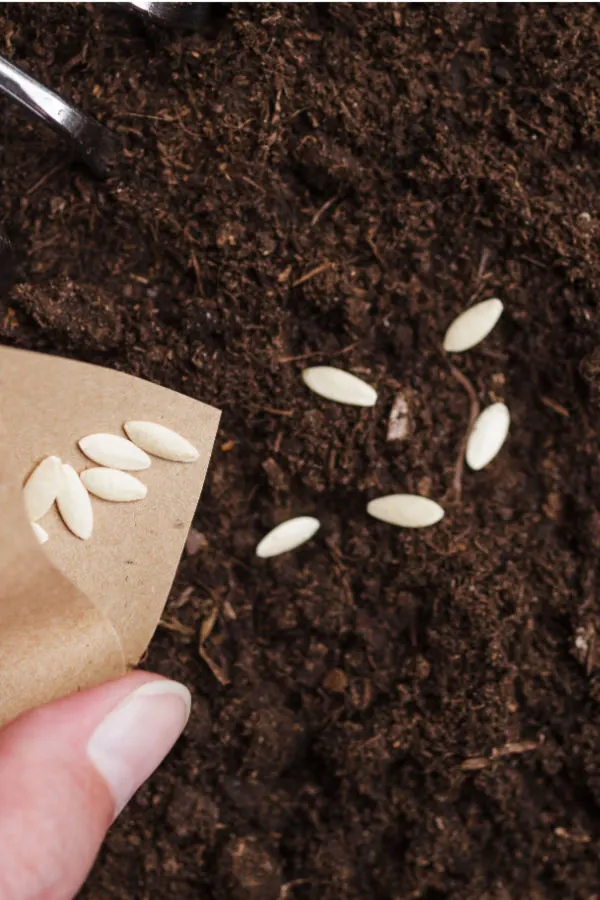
x: 385, y: 714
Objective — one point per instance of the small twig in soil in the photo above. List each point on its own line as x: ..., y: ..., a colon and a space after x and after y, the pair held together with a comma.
x: 205, y: 631
x: 532, y: 125
x: 474, y: 764
x: 481, y: 276
x: 375, y: 251
x: 183, y: 599
x: 126, y: 114
x: 207, y: 625
x: 534, y: 262
x: 312, y: 274
x: 41, y: 181
x: 288, y: 359
x: 274, y: 124
x: 591, y: 654
x: 286, y: 888
x: 178, y: 627
x: 275, y: 412
x: 552, y: 404
x: 483, y: 263
x: 214, y: 668
x: 253, y: 183
x: 513, y: 747
x: 473, y: 413
x: 581, y: 838
x: 494, y: 354
x: 196, y: 267
x: 285, y: 275
x: 480, y: 285
x: 322, y: 210
x: 229, y: 612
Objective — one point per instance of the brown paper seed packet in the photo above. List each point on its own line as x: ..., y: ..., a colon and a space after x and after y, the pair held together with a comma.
x: 74, y: 613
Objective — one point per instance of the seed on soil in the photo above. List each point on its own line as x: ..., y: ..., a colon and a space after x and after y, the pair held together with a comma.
x: 472, y: 325
x: 114, y: 451
x: 74, y: 504
x: 39, y: 532
x: 112, y: 484
x: 41, y: 488
x: 161, y: 441
x: 406, y: 510
x: 487, y: 436
x: 288, y: 536
x: 340, y: 386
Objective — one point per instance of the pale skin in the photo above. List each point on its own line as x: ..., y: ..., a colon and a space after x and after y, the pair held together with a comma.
x: 68, y: 768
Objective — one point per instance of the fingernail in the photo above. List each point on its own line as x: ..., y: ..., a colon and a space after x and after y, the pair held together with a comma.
x: 134, y: 738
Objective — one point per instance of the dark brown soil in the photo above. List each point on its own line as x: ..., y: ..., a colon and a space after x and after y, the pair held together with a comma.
x: 389, y: 714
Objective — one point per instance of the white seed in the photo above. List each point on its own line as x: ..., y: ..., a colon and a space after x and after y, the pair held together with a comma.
x: 114, y: 451
x: 161, y: 441
x: 111, y: 484
x: 336, y: 384
x: 473, y: 325
x: 41, y: 488
x: 487, y: 435
x: 39, y: 532
x: 74, y: 504
x: 406, y: 510
x: 288, y: 536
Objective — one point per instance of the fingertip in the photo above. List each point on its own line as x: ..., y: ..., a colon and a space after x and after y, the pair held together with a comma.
x: 68, y: 768
x: 134, y: 738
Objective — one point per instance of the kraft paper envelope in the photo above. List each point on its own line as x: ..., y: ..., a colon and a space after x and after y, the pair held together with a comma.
x: 74, y: 613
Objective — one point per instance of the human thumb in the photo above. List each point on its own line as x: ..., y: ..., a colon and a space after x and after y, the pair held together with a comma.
x: 68, y: 768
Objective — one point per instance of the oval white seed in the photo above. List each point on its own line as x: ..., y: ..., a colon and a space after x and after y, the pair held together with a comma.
x: 161, y: 441
x: 112, y: 484
x: 287, y: 536
x: 487, y: 435
x: 340, y: 386
x: 114, y: 451
x: 74, y: 504
x: 406, y: 510
x: 473, y: 325
x: 39, y: 532
x: 41, y: 488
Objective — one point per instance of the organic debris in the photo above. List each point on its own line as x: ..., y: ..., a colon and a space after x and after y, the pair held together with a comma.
x: 399, y: 420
